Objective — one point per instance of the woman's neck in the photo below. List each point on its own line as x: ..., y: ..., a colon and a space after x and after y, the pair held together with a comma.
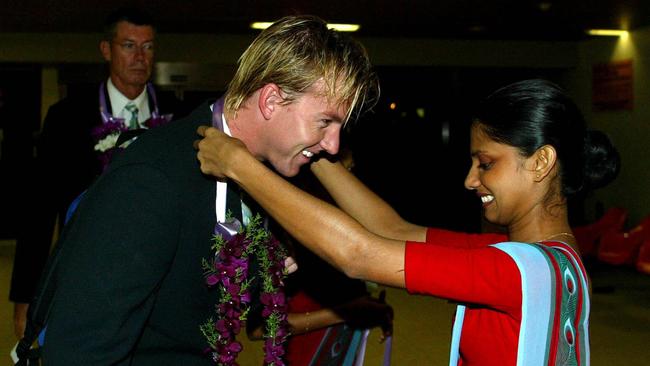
x: 548, y: 223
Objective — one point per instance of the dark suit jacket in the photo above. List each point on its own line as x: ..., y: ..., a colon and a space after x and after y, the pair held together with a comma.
x: 130, y: 287
x: 66, y: 165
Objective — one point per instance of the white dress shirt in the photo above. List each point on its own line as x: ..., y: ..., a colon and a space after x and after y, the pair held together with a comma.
x: 119, y: 101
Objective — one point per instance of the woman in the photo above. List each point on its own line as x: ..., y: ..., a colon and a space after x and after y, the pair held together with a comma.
x: 524, y: 301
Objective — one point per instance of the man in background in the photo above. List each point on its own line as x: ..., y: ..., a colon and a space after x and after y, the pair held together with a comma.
x: 79, y: 138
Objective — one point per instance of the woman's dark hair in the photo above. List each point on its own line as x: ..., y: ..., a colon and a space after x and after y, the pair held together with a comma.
x: 532, y: 113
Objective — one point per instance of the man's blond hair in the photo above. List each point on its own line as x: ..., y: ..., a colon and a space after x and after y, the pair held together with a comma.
x: 294, y: 53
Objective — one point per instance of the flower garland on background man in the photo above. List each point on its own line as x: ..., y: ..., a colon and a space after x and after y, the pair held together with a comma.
x: 107, y: 135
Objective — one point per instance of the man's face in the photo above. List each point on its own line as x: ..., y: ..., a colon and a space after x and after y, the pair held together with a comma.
x: 130, y: 56
x: 301, y: 129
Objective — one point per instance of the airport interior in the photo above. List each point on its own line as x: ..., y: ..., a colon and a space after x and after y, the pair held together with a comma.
x: 435, y: 61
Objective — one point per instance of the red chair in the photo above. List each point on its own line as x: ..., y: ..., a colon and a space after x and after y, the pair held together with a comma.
x: 643, y: 260
x: 588, y: 236
x: 622, y: 248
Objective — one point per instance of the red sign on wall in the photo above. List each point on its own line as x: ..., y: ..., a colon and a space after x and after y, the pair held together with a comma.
x: 612, y: 85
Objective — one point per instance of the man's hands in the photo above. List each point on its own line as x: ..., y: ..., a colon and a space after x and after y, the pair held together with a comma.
x: 217, y: 151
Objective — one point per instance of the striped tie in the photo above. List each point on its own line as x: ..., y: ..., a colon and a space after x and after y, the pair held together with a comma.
x: 133, y: 122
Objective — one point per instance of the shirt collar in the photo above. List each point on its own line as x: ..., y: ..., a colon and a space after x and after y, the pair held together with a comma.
x: 226, y: 129
x: 119, y: 100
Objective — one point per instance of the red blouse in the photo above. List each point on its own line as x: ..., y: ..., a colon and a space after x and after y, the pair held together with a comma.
x: 462, y: 267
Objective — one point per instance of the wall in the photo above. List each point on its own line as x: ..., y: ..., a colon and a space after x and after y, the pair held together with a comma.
x: 220, y: 52
x: 225, y: 50
x: 628, y: 129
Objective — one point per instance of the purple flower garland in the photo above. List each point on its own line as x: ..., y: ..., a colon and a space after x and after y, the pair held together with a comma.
x: 228, y: 270
x: 106, y: 135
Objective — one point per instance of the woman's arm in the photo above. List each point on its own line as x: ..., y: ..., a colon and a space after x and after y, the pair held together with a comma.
x: 358, y: 201
x: 300, y: 323
x: 321, y: 227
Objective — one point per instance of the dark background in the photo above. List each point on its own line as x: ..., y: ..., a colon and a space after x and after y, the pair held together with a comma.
x: 417, y: 161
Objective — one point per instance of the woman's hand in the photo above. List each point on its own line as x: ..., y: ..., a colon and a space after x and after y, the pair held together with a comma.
x: 217, y: 151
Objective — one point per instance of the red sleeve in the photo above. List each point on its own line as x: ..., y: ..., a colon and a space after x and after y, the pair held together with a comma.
x: 460, y: 239
x: 478, y: 275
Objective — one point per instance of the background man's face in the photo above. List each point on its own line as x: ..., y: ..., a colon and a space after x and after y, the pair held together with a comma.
x: 130, y: 55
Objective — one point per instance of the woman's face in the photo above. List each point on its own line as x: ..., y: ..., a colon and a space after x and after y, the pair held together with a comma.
x: 501, y: 177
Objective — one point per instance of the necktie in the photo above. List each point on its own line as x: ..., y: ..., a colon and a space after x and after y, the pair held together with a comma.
x: 133, y: 122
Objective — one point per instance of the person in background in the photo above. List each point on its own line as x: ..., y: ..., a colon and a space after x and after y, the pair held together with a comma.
x: 524, y: 301
x: 80, y: 135
x: 129, y: 285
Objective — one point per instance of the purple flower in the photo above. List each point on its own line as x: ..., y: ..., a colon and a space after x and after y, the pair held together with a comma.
x: 232, y: 249
x: 245, y: 296
x: 273, y: 352
x: 239, y: 263
x: 228, y: 353
x: 229, y: 310
x: 233, y: 290
x: 282, y: 332
x: 272, y: 302
x: 102, y: 131
x: 228, y: 327
x: 229, y: 270
x: 273, y: 299
x: 225, y: 270
x: 212, y: 279
x: 106, y: 129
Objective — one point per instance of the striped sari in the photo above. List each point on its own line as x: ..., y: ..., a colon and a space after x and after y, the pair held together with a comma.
x: 555, y: 305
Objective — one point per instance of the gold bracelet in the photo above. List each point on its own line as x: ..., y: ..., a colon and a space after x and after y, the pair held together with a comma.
x: 308, y: 323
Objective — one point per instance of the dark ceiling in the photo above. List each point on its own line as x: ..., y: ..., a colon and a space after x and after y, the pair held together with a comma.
x: 454, y: 19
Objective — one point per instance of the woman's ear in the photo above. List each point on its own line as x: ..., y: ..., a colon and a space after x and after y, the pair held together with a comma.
x: 544, y: 160
x: 270, y: 98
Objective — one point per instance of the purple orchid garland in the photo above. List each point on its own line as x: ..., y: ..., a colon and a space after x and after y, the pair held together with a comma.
x: 112, y: 130
x: 107, y: 134
x: 228, y: 270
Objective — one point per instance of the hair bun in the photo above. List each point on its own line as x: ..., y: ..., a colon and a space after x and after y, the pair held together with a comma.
x: 602, y: 161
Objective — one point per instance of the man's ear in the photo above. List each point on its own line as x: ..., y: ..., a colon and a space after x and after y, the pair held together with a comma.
x: 270, y: 99
x: 544, y: 160
x: 105, y: 49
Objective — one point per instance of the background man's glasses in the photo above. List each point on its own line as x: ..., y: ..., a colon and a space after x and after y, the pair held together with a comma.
x: 132, y: 47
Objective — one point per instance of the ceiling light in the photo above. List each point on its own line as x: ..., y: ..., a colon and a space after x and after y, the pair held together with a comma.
x: 336, y: 26
x: 608, y: 32
x: 545, y: 6
x: 344, y: 27
x: 261, y: 25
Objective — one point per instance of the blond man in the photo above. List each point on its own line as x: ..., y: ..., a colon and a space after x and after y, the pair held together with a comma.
x: 129, y: 282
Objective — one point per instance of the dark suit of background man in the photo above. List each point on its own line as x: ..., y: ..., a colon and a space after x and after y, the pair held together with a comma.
x: 67, y: 160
